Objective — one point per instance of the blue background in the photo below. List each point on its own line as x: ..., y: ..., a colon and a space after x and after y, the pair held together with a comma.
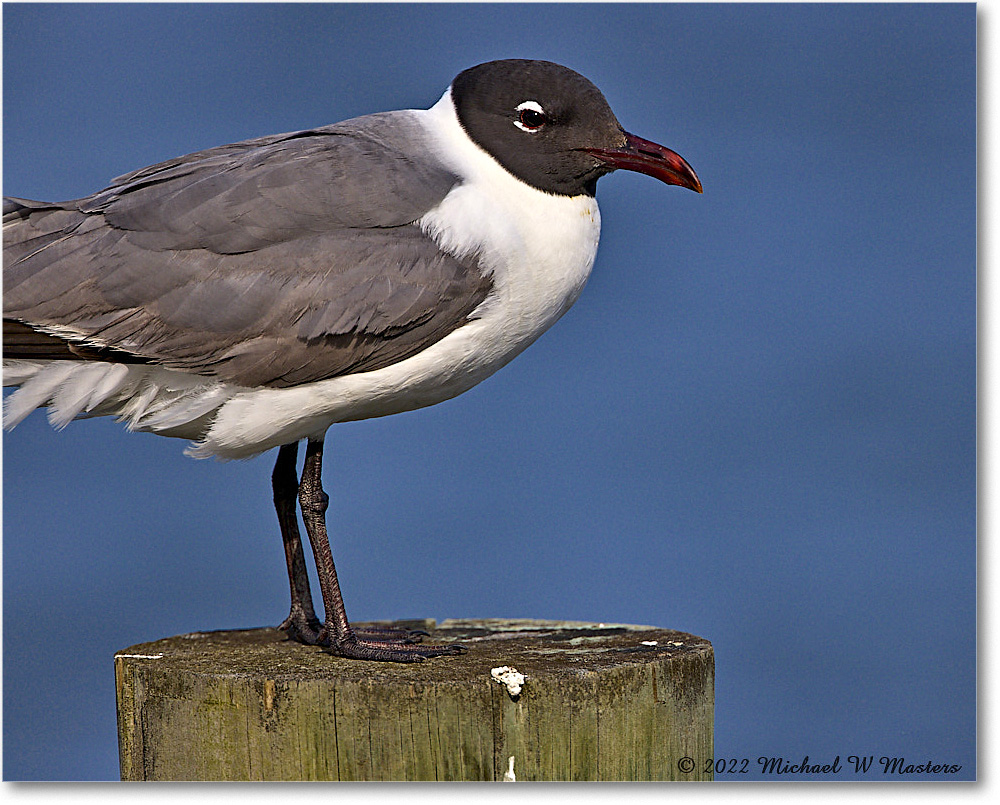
x: 758, y: 424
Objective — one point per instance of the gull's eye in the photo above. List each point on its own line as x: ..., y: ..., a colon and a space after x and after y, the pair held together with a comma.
x: 530, y: 116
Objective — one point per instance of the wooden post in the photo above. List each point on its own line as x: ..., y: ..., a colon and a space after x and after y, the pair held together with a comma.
x: 598, y: 702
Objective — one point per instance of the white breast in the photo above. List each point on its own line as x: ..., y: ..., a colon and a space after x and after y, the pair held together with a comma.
x: 540, y: 247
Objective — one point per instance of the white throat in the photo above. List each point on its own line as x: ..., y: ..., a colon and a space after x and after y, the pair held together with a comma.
x: 539, y: 246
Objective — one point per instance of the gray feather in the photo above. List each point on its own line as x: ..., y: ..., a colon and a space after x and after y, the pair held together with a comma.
x: 276, y: 261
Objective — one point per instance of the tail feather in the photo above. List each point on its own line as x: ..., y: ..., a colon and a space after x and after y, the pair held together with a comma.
x: 36, y: 391
x: 75, y: 393
x: 145, y: 397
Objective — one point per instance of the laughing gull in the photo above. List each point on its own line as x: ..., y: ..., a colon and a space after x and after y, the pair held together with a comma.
x: 249, y: 296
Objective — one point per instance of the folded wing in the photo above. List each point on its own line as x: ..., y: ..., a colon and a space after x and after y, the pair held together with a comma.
x: 272, y: 262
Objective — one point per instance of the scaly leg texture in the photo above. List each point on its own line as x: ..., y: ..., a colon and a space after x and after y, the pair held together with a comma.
x: 337, y: 632
x: 301, y: 623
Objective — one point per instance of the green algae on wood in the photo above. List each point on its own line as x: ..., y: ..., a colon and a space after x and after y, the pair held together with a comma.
x: 599, y: 702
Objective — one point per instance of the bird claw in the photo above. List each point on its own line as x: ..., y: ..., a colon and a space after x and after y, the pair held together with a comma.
x: 357, y: 648
x: 385, y: 644
x: 302, y: 628
x: 388, y: 634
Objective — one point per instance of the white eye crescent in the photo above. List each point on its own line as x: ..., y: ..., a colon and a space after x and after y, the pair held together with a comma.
x: 530, y: 116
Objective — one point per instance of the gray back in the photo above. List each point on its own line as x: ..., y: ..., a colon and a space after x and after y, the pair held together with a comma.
x: 275, y: 261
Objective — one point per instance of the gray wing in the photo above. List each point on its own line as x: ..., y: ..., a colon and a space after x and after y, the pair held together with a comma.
x: 276, y: 261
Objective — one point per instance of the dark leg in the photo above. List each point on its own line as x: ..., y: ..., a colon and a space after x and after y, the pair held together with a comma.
x: 337, y: 631
x: 301, y: 623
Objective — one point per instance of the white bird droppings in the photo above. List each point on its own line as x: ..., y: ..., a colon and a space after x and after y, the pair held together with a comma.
x: 649, y: 642
x: 510, y: 677
x: 139, y: 656
x: 508, y: 776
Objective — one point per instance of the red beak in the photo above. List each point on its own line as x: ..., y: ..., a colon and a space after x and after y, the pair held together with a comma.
x: 654, y: 160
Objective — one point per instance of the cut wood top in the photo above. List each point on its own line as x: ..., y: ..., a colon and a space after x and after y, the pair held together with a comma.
x: 532, y: 646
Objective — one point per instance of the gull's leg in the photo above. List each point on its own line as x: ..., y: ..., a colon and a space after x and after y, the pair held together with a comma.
x: 337, y: 632
x: 301, y: 623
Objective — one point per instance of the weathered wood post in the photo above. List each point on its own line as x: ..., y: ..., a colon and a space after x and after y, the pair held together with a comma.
x: 598, y: 702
